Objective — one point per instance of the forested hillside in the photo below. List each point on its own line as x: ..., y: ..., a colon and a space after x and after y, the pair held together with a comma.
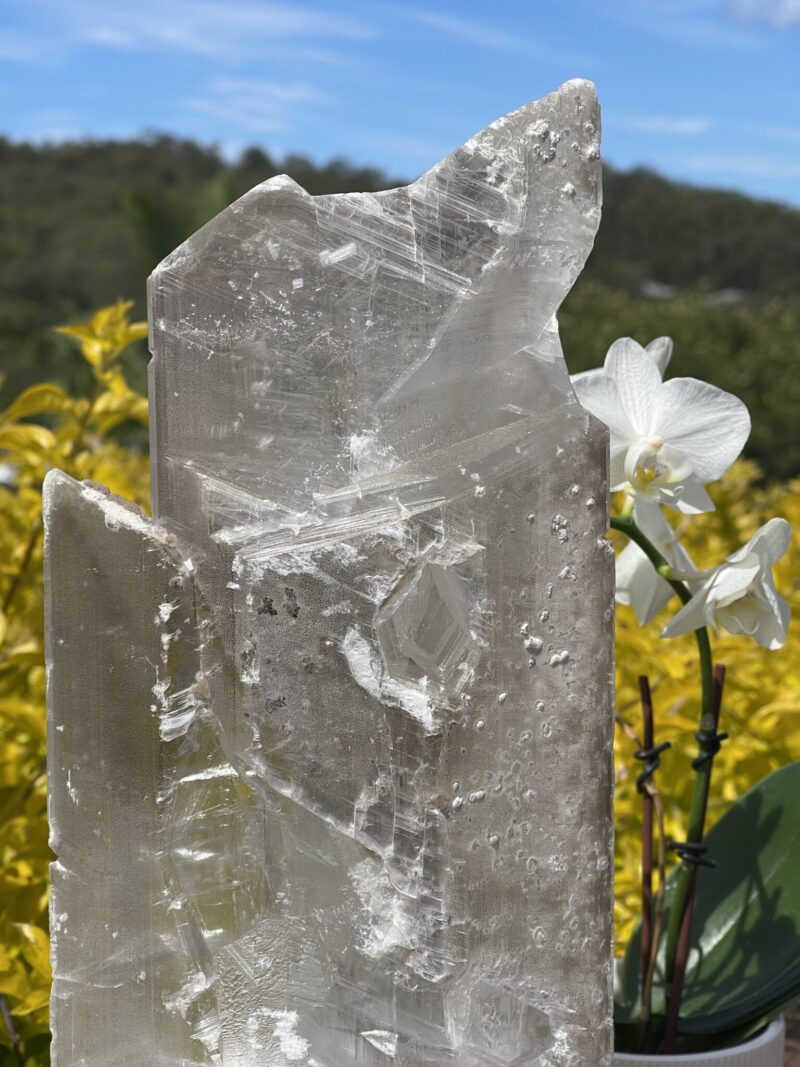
x: 82, y: 224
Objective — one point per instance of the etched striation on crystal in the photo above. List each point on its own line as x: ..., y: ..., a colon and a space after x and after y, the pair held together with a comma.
x: 331, y: 736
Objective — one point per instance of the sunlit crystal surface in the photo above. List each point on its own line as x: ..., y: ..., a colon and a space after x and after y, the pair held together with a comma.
x: 330, y: 748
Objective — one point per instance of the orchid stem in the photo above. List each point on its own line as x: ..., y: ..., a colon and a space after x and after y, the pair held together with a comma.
x: 676, y: 986
x: 650, y: 788
x: 702, y: 779
x: 709, y: 745
x: 648, y: 946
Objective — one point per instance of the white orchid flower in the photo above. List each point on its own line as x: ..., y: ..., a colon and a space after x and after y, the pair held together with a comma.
x: 638, y: 582
x: 740, y: 593
x: 660, y: 349
x: 668, y: 439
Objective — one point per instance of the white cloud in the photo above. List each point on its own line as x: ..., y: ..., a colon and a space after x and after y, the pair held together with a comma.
x: 413, y: 148
x: 260, y: 107
x: 703, y: 24
x: 207, y: 28
x: 54, y: 126
x: 747, y: 165
x: 681, y: 125
x: 463, y: 29
x: 780, y: 13
x: 19, y: 48
x: 778, y: 133
x: 484, y: 34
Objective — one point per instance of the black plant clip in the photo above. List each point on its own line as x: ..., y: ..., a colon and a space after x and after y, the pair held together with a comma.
x: 692, y: 853
x: 651, y: 757
x: 710, y: 742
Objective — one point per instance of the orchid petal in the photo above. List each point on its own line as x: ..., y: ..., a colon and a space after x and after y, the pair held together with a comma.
x: 598, y: 394
x: 680, y: 467
x: 693, y: 498
x: 707, y: 424
x: 691, y: 616
x: 634, y: 456
x: 732, y: 580
x: 772, y: 540
x: 584, y: 374
x: 650, y: 520
x: 742, y: 617
x: 638, y: 382
x: 772, y: 621
x: 774, y: 634
x: 649, y: 595
x: 623, y: 346
x: 660, y: 351
x: 627, y: 570
x: 740, y: 594
x: 639, y: 584
x: 767, y: 593
x: 617, y: 477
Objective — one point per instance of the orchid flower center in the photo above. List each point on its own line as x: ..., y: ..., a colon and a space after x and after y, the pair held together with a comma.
x: 644, y: 475
x: 655, y: 467
x: 651, y: 466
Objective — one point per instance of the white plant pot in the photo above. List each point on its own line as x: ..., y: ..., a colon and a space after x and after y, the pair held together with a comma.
x: 766, y: 1050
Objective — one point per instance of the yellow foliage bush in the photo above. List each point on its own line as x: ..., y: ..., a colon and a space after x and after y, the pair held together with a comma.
x: 761, y: 704
x: 762, y: 696
x: 73, y: 433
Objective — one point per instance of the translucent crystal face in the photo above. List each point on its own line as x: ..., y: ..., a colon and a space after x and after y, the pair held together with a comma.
x: 500, y: 1029
x: 330, y: 758
x: 425, y: 629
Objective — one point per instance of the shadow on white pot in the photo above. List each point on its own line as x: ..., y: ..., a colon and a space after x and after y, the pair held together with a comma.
x: 765, y: 1050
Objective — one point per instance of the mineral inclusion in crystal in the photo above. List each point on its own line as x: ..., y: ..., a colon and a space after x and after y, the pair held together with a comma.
x: 330, y: 736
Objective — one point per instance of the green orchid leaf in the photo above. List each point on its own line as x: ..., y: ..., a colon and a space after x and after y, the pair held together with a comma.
x: 744, y: 959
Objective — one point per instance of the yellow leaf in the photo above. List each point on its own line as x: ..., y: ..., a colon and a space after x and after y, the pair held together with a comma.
x: 37, y: 400
x: 113, y: 408
x: 21, y: 437
x: 35, y: 1000
x: 25, y: 654
x: 14, y: 982
x: 35, y: 948
x: 137, y: 331
x: 108, y: 320
x: 23, y: 715
x: 115, y: 382
x: 106, y: 334
x: 92, y: 347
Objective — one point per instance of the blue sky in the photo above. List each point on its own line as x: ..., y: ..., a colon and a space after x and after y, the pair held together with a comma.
x: 703, y: 90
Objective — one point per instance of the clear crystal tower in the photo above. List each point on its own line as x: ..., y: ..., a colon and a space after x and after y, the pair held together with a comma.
x: 330, y: 736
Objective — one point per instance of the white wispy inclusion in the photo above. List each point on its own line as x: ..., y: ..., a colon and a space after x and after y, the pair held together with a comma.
x: 330, y: 758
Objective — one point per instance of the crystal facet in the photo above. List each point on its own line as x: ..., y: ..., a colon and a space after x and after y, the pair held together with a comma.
x: 330, y: 750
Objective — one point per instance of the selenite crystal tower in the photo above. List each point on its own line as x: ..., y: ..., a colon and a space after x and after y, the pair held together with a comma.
x: 330, y: 736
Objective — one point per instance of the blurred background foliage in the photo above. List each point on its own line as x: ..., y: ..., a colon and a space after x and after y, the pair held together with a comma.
x: 83, y: 434
x: 81, y: 224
